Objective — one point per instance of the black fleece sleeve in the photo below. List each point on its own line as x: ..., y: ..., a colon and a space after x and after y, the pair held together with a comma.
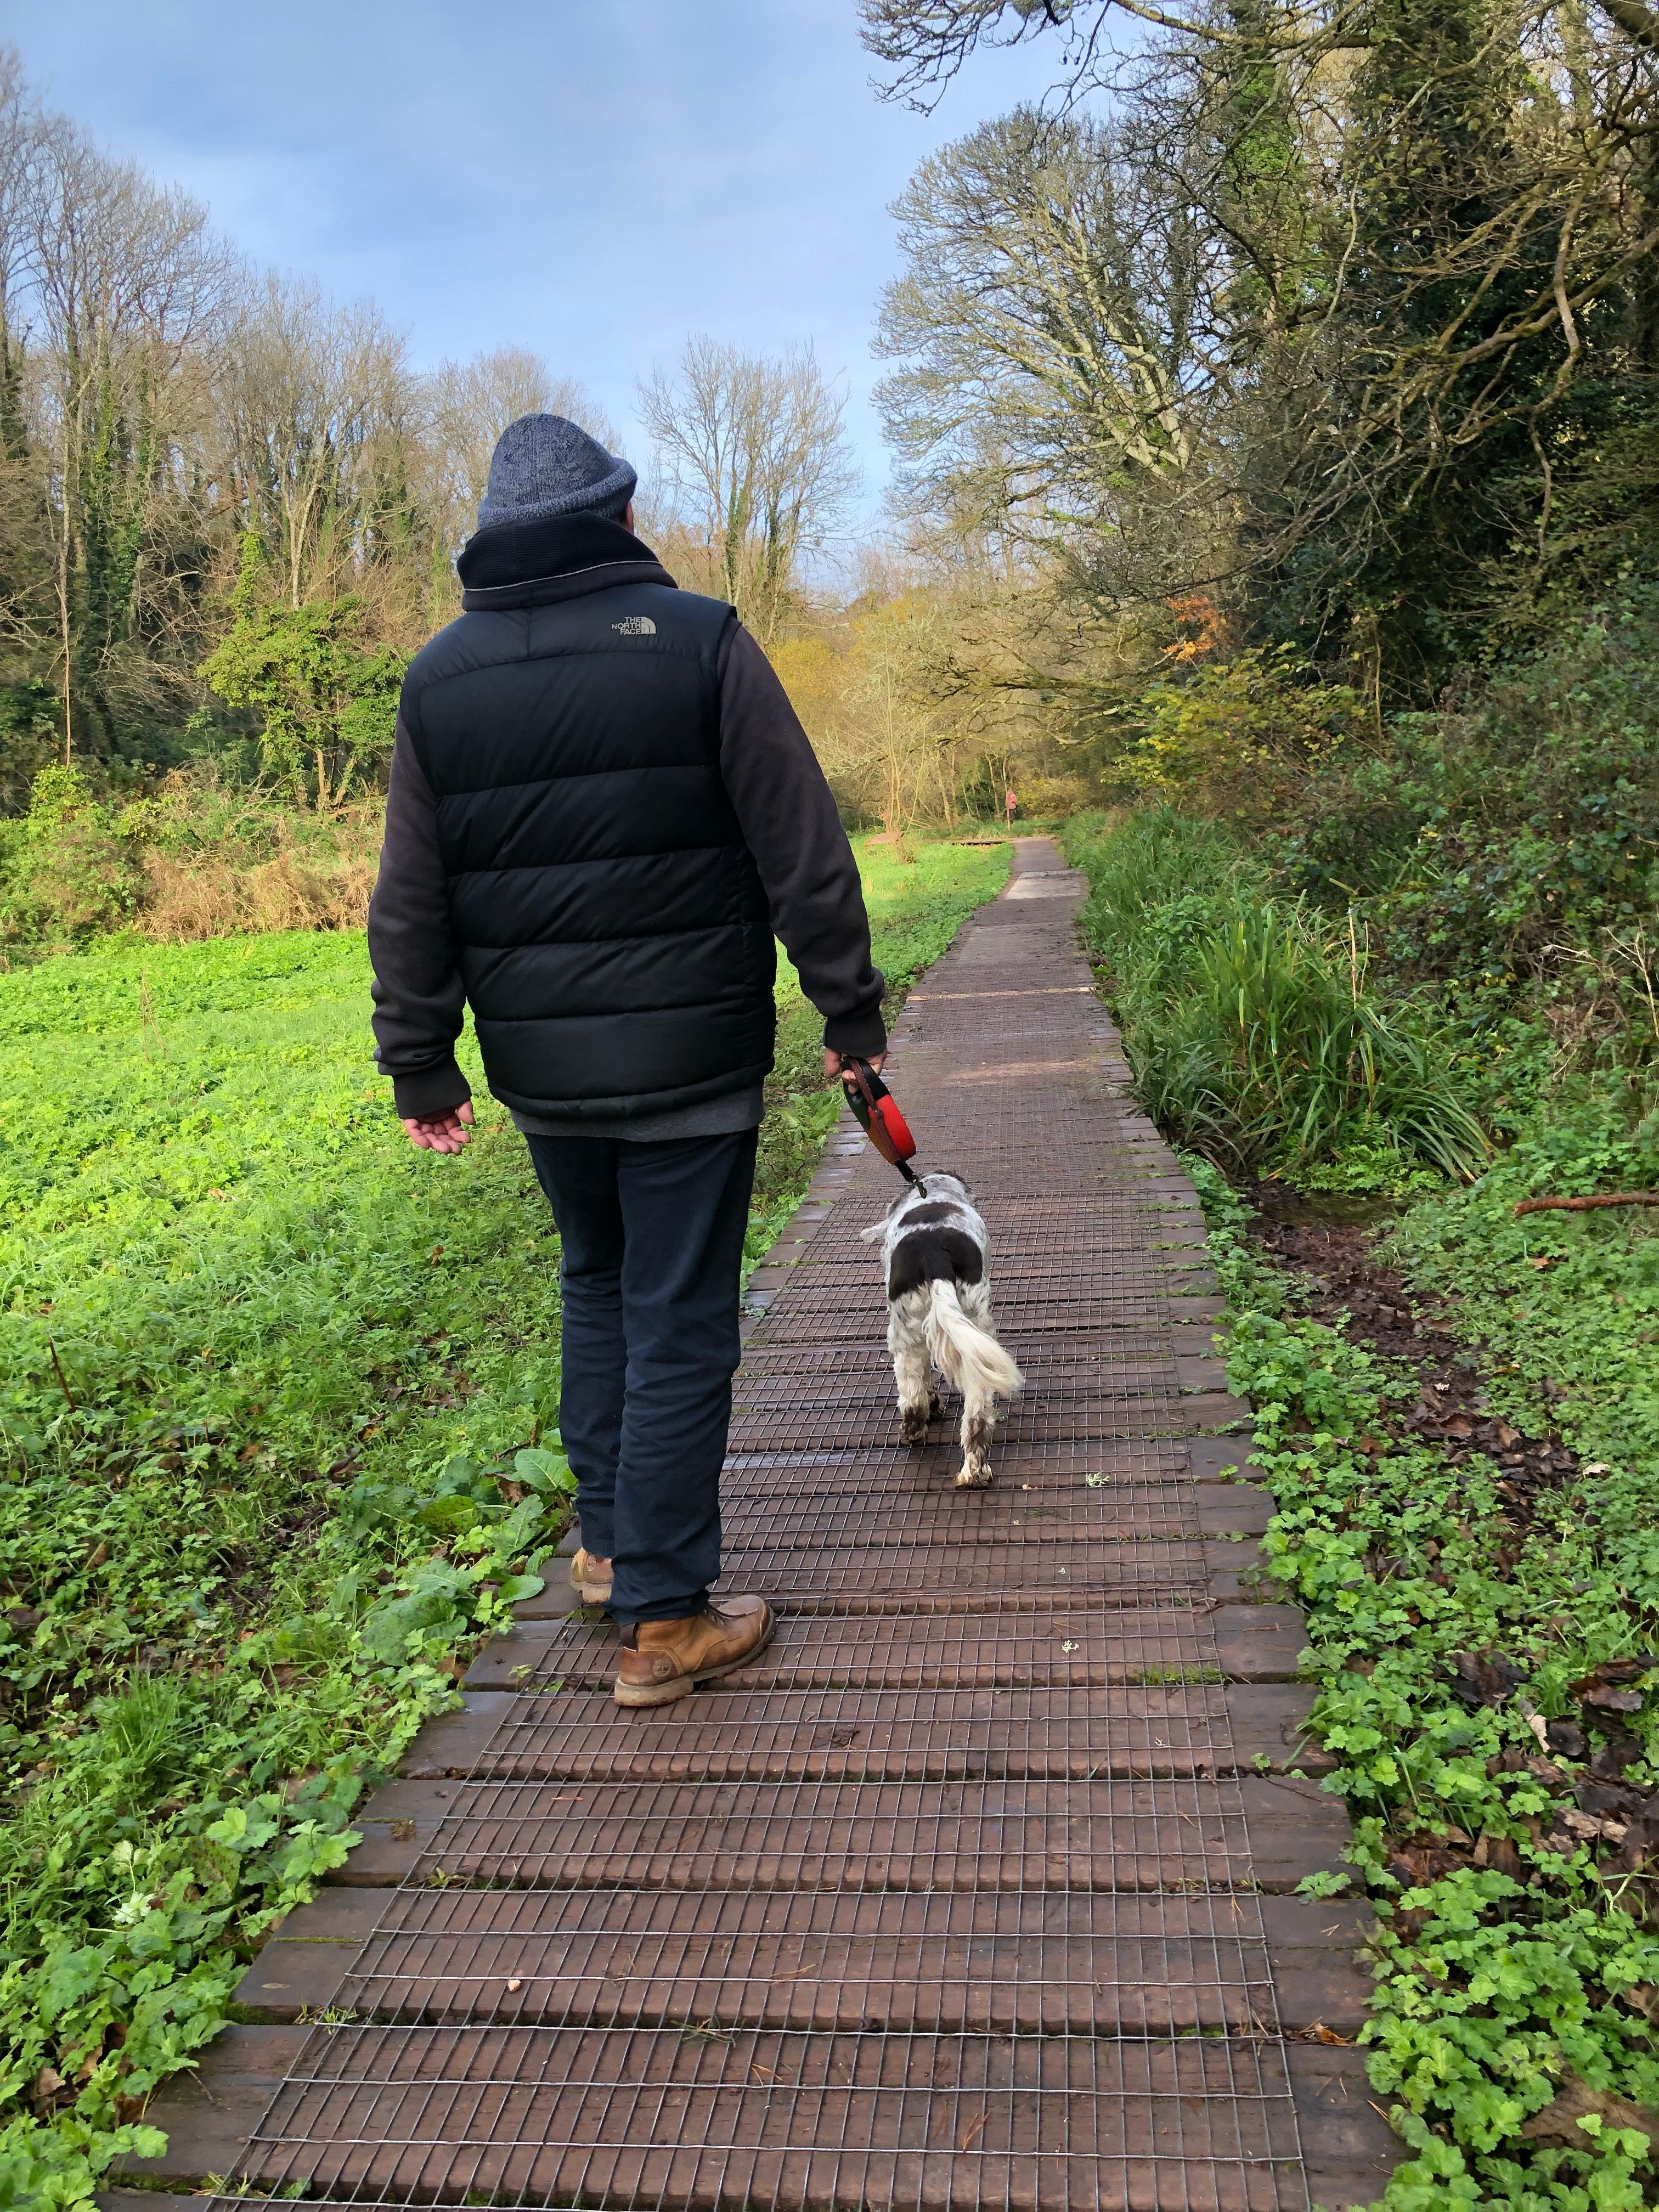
x: 418, y: 995
x: 788, y: 816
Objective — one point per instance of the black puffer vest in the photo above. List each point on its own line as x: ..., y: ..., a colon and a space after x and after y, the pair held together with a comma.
x: 612, y: 930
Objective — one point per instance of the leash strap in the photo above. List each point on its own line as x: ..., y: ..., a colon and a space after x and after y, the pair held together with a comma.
x: 874, y: 1128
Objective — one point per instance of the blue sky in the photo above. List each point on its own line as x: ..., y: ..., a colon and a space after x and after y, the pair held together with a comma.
x: 591, y: 181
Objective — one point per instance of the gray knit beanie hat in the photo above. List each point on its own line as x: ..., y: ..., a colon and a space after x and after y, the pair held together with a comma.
x: 543, y: 466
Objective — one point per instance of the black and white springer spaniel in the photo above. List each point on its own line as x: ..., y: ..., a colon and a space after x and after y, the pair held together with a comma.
x: 934, y: 1249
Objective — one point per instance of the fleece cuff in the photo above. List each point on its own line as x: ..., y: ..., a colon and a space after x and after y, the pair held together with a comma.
x: 430, y: 1091
x: 858, y: 1034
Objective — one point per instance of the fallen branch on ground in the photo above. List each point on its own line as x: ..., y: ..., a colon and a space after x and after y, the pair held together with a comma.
x: 1584, y: 1204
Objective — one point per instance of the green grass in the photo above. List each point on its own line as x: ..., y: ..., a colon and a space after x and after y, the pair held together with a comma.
x: 1511, y: 1963
x: 277, y: 1401
x: 1256, y: 1038
x: 1569, y: 1300
x: 1498, y: 1986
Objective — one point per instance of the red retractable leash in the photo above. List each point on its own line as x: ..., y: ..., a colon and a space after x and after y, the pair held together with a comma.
x: 878, y: 1114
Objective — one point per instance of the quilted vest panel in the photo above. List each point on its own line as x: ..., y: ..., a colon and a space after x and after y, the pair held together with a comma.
x: 612, y: 929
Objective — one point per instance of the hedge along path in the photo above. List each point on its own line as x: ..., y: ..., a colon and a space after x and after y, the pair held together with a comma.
x: 974, y: 1891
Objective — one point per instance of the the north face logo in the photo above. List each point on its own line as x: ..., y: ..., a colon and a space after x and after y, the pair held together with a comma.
x: 636, y: 626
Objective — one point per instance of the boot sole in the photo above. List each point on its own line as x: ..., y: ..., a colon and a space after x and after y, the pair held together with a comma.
x: 590, y: 1593
x: 667, y: 1694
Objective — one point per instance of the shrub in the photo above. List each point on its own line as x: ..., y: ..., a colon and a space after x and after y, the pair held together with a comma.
x: 1255, y: 1039
x: 66, y: 874
x: 200, y: 857
x: 326, y: 693
x: 1516, y: 827
x: 1240, y: 737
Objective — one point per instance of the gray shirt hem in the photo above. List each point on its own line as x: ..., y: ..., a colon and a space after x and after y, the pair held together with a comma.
x: 708, y: 1117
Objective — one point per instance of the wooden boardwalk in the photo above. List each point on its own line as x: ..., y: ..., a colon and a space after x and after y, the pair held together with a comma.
x: 974, y: 1891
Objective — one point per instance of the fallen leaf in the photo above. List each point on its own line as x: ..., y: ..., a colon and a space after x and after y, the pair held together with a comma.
x: 1576, y: 2100
x: 1483, y: 1681
x: 1640, y: 1841
x: 1607, y: 1700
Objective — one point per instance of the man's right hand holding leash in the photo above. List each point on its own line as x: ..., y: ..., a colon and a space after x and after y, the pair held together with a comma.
x: 835, y: 1063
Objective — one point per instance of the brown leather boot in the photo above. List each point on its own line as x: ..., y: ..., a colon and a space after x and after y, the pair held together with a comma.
x: 663, y: 1659
x: 590, y: 1578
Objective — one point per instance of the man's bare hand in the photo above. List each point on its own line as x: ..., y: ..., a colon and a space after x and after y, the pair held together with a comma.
x: 442, y: 1133
x: 835, y: 1063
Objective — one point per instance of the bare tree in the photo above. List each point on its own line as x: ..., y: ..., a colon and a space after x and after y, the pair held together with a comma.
x: 125, y: 281
x: 926, y: 42
x: 1054, y: 325
x: 22, y: 129
x: 307, y: 392
x: 1285, y: 301
x: 756, y: 458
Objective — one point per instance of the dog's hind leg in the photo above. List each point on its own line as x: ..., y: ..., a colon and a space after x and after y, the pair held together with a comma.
x: 978, y: 1414
x: 913, y: 1369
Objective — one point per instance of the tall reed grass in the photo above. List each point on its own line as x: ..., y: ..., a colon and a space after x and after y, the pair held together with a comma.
x: 1255, y: 1035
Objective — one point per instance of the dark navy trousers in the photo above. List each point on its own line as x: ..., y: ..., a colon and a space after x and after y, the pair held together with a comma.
x: 652, y: 1249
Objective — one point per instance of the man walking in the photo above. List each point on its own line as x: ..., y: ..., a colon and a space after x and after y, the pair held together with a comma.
x: 602, y: 809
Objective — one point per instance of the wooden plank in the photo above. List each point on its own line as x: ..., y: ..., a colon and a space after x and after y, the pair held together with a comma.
x: 1119, y: 1732
x: 209, y: 2116
x: 453, y: 1743
x: 1227, y: 1505
x: 1267, y: 1831
x: 640, y: 2115
x: 973, y: 1651
x: 1321, y: 1974
x: 1269, y: 1720
x: 1349, y: 2147
x: 887, y: 1962
x: 984, y: 1577
x: 302, y: 1962
x: 1259, y: 1643
x: 1209, y: 1457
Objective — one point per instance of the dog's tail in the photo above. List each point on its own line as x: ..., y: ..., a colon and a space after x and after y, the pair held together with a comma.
x: 963, y: 1352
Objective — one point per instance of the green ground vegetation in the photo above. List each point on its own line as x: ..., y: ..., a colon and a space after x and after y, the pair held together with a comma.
x: 1520, y: 1980
x: 1461, y: 1067
x: 277, y: 1406
x: 1255, y: 1035
x: 1370, y: 960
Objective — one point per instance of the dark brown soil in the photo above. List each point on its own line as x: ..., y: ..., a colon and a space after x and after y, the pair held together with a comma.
x: 1330, y: 1250
x: 1330, y: 1245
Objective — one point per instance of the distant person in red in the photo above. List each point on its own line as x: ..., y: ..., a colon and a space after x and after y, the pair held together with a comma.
x: 1010, y: 800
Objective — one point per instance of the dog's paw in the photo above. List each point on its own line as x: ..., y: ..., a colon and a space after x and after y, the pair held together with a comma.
x: 974, y: 1477
x: 913, y: 1425
x: 936, y: 1408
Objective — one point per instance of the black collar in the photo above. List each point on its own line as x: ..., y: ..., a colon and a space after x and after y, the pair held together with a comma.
x: 532, y: 564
